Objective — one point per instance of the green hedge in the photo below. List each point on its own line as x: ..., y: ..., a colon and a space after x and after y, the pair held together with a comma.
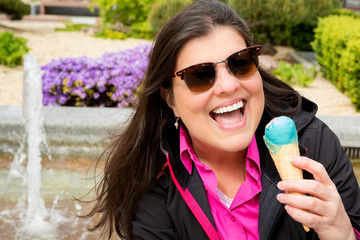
x: 124, y: 18
x: 162, y: 11
x: 337, y: 47
x: 284, y: 22
x: 16, y: 9
x: 126, y: 12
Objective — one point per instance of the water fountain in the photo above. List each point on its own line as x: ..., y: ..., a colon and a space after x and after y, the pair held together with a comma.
x: 36, y: 221
x: 30, y: 218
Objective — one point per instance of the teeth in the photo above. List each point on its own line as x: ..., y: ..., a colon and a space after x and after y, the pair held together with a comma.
x: 231, y: 108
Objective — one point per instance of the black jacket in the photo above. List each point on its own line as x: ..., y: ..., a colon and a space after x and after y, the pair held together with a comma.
x: 163, y: 213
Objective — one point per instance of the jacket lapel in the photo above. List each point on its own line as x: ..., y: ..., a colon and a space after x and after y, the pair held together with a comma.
x: 197, y: 190
x: 192, y: 182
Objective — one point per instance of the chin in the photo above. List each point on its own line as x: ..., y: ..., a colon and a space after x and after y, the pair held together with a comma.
x: 236, y: 145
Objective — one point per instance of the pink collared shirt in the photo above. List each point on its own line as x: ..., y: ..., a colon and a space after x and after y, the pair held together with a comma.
x: 240, y: 220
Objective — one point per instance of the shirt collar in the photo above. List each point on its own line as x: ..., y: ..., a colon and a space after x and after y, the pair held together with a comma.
x: 253, y: 152
x: 186, y: 150
x: 187, y: 153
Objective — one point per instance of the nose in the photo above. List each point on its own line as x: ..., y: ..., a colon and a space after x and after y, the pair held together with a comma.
x: 225, y: 82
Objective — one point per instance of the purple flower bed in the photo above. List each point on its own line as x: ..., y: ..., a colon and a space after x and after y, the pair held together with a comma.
x: 111, y: 80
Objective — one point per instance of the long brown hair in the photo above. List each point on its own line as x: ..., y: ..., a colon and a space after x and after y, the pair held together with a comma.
x: 135, y: 157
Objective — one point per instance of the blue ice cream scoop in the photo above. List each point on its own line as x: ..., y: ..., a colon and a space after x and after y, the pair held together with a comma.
x: 280, y: 131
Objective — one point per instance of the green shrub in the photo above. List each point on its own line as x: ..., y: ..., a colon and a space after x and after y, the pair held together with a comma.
x: 345, y: 12
x: 295, y: 74
x: 337, y: 47
x: 16, y: 9
x: 162, y: 11
x: 299, y: 36
x: 107, y: 32
x: 126, y: 12
x: 12, y: 49
x: 141, y: 30
x: 70, y: 26
x: 284, y: 22
x: 124, y: 18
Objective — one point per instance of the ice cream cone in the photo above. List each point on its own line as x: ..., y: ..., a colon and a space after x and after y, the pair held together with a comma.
x: 282, y: 142
x: 282, y: 162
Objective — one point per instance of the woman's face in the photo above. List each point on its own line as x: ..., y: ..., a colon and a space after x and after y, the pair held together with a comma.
x: 232, y: 130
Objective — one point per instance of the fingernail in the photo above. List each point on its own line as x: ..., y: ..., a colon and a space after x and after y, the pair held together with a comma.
x: 280, y: 197
x: 280, y: 185
x: 295, y: 159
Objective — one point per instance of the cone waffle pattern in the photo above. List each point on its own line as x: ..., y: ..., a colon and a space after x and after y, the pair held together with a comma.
x: 283, y: 164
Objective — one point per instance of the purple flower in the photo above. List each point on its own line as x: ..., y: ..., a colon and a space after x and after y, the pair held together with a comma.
x: 108, y: 81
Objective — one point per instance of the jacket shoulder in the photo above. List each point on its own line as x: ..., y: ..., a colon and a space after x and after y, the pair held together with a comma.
x: 152, y: 219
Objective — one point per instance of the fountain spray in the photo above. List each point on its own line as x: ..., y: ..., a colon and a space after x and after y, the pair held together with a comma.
x: 36, y: 221
x: 30, y: 219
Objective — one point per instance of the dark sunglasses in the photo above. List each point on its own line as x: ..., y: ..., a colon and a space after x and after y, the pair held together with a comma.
x: 201, y: 77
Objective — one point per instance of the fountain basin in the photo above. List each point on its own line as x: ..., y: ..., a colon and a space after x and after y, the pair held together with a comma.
x: 62, y: 180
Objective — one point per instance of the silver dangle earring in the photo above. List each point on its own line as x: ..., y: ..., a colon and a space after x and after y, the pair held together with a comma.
x: 176, y: 124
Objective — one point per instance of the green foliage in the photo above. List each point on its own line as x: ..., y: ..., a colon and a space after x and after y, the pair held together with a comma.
x: 162, y: 11
x: 71, y: 26
x: 118, y: 15
x: 106, y: 32
x: 141, y: 30
x: 12, y: 49
x: 16, y: 9
x: 284, y: 22
x: 345, y: 12
x: 299, y: 36
x: 126, y: 12
x: 295, y: 74
x: 337, y: 47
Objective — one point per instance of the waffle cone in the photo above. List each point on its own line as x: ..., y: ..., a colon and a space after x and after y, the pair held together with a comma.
x: 282, y: 162
x: 285, y: 168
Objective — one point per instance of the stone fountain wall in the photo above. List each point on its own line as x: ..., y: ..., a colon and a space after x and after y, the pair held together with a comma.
x: 70, y: 131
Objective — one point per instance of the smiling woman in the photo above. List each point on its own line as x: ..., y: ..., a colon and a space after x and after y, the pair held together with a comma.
x: 192, y: 163
x: 210, y: 131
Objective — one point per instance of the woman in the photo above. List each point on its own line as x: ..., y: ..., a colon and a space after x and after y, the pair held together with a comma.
x: 192, y: 163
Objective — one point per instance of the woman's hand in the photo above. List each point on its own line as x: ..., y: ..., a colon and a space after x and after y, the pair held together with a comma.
x: 323, y: 210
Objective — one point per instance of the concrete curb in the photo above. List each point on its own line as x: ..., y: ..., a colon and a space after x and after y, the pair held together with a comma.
x: 307, y: 59
x: 85, y: 132
x: 347, y: 129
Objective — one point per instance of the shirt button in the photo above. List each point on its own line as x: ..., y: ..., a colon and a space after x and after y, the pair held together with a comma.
x: 233, y: 218
x: 252, y: 164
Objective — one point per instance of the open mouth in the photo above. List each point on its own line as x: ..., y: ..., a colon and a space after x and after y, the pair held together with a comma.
x: 230, y: 114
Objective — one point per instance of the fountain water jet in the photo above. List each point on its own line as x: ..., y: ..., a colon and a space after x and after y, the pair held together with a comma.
x: 36, y: 221
x: 32, y: 104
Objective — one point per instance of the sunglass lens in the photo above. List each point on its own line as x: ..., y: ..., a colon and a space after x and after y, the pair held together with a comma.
x: 200, y: 78
x: 244, y: 64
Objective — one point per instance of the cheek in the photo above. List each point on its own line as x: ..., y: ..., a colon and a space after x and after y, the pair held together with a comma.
x: 256, y: 88
x: 257, y: 99
x: 189, y: 105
